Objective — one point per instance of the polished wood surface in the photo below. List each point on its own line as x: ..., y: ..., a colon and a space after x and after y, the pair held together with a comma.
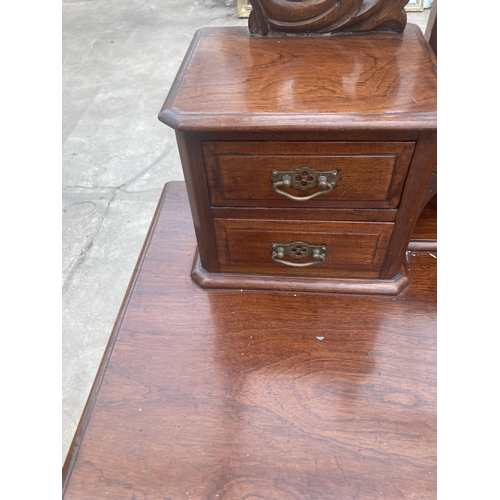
x: 354, y: 249
x: 359, y: 82
x: 326, y: 16
x: 410, y: 207
x: 229, y: 394
x: 371, y: 174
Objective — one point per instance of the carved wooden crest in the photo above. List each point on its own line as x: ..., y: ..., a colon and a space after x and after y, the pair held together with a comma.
x: 275, y: 17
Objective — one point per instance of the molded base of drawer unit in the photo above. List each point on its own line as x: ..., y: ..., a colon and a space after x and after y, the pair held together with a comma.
x: 302, y: 248
x: 241, y: 281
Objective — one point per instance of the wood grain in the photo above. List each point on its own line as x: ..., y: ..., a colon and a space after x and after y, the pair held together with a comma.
x: 361, y: 82
x: 372, y: 174
x: 240, y: 281
x: 195, y: 178
x: 227, y: 394
x: 417, y: 181
x: 286, y: 17
x: 355, y: 249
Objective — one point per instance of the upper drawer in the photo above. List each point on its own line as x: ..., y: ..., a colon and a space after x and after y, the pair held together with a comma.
x: 369, y: 174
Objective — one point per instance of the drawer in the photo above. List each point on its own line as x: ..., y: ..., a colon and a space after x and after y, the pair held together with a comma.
x: 345, y: 249
x: 368, y: 174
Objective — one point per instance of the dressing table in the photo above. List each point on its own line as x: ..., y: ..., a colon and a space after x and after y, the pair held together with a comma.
x: 314, y: 149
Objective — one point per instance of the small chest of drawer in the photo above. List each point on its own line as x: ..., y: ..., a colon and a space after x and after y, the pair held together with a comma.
x: 305, y: 158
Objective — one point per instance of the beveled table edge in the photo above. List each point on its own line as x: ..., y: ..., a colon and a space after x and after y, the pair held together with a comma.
x: 74, y: 448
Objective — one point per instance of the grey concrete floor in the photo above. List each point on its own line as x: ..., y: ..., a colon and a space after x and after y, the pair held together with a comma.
x: 119, y: 60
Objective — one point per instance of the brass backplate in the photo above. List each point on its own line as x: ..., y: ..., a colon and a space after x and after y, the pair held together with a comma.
x: 305, y: 178
x: 298, y: 250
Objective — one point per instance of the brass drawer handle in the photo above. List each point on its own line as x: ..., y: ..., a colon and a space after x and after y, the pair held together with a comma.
x: 298, y: 250
x: 304, y: 178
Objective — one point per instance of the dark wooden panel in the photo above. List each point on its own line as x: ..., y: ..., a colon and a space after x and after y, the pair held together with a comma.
x: 199, y: 202
x: 288, y: 134
x: 379, y: 215
x: 221, y: 392
x: 371, y: 174
x: 355, y: 249
x: 417, y: 181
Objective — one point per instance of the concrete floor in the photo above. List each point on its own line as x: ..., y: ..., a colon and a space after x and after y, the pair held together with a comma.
x: 119, y: 60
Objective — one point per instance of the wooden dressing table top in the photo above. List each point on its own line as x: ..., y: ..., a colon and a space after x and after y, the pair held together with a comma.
x: 228, y: 394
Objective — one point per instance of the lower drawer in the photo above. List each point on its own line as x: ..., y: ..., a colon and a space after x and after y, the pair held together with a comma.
x: 302, y: 248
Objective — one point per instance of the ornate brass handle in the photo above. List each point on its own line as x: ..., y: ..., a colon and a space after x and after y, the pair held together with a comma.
x: 298, y: 250
x: 304, y: 178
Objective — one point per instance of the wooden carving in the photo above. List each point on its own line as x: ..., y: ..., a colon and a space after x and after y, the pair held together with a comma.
x: 274, y: 17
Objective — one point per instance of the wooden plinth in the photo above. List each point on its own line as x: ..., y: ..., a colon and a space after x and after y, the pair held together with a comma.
x: 285, y: 283
x: 229, y: 394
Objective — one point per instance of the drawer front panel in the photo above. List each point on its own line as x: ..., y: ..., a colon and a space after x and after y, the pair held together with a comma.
x: 369, y: 175
x: 353, y: 249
